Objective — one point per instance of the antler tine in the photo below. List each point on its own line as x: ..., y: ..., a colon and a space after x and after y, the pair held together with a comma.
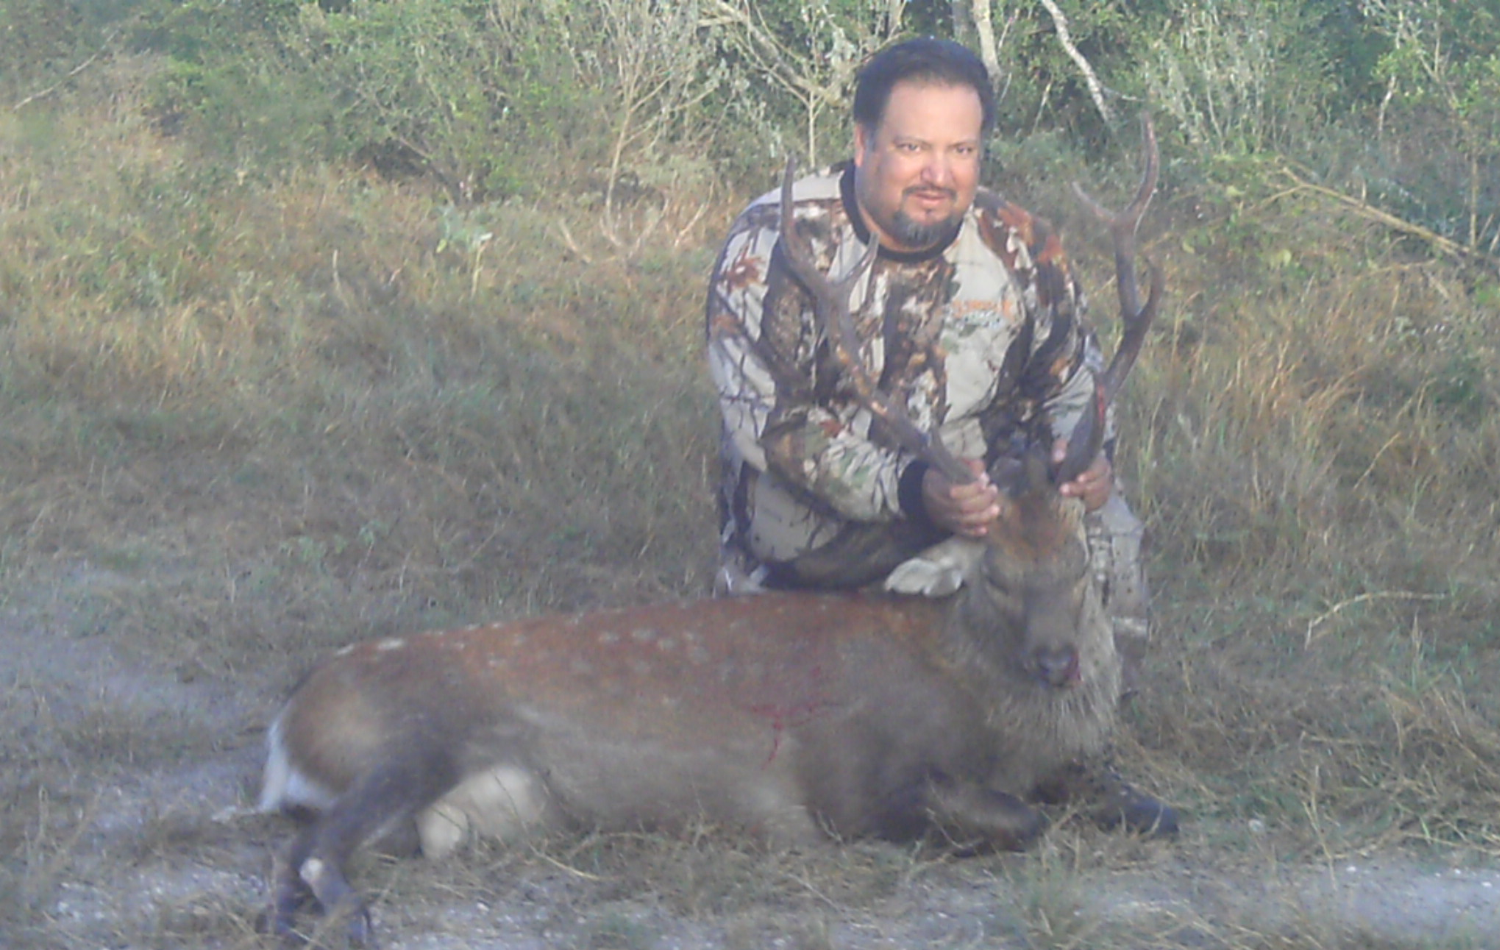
x: 831, y: 307
x: 1088, y: 436
x: 1122, y: 228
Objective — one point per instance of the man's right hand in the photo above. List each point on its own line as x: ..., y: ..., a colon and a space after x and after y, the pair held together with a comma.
x: 964, y: 509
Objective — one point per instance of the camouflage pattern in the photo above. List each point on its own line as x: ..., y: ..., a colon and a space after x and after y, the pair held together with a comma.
x: 982, y: 338
x: 1116, y: 540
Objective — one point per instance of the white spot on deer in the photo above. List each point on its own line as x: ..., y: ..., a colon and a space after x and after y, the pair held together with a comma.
x: 608, y: 637
x: 345, y: 650
x: 387, y: 645
x: 311, y: 871
x: 643, y: 634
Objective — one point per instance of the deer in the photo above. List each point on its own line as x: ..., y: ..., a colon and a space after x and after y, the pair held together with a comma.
x: 798, y: 718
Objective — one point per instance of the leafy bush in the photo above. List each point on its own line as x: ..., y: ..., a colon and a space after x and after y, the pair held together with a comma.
x: 43, y: 42
x: 1240, y: 76
x: 1442, y: 74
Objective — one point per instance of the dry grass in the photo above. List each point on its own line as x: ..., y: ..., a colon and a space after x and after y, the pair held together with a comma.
x: 245, y: 420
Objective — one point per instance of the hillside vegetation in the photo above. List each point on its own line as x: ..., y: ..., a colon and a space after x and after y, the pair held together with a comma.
x: 320, y: 321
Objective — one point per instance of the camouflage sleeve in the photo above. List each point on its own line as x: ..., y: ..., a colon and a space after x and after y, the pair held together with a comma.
x: 778, y: 413
x: 1066, y: 359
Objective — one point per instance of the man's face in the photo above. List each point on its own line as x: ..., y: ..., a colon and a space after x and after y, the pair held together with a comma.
x: 916, y: 172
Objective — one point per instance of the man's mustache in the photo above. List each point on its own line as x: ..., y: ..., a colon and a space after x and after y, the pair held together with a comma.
x: 927, y: 191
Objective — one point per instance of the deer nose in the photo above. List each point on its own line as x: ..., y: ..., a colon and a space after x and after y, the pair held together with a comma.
x: 1058, y: 667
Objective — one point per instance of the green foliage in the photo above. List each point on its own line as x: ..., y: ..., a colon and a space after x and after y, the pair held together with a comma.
x: 488, y: 99
x: 1240, y: 76
x: 444, y: 89
x: 792, y: 65
x: 230, y: 83
x: 43, y: 41
x: 1442, y: 75
x: 1042, y: 88
x: 36, y: 38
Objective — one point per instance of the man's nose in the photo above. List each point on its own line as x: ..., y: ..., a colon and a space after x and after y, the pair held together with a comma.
x: 937, y: 171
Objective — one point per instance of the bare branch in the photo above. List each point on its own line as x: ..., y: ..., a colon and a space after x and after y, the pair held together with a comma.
x: 989, y: 50
x: 1384, y: 218
x: 1096, y: 88
x: 71, y: 73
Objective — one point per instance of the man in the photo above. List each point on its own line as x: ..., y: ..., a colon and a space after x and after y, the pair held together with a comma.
x: 970, y: 318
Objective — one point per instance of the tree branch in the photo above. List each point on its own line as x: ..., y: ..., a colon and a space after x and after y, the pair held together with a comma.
x: 1369, y: 212
x: 1096, y: 88
x: 989, y: 50
x: 71, y: 73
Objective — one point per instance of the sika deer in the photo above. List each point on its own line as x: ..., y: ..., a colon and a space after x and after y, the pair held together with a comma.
x: 790, y: 715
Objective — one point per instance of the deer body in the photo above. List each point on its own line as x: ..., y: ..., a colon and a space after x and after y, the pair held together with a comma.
x: 790, y: 716
x: 777, y: 714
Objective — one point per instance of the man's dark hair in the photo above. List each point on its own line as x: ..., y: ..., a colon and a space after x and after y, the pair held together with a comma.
x: 923, y: 60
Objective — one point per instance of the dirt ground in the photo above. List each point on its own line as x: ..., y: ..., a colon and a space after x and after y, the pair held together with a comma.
x: 151, y: 842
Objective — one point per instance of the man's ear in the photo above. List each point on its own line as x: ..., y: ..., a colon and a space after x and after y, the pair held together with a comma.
x: 861, y: 140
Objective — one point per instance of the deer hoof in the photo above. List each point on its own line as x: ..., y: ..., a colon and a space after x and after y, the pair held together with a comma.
x: 1135, y: 811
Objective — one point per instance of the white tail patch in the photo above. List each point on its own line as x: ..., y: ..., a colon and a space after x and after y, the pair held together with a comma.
x: 285, y: 786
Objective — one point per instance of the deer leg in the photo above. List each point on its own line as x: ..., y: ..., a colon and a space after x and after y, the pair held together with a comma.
x: 977, y: 819
x: 315, y: 863
x: 312, y: 871
x: 289, y: 893
x: 1110, y: 799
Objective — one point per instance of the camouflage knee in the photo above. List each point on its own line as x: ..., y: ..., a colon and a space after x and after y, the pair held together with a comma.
x: 1115, y: 541
x: 1115, y: 537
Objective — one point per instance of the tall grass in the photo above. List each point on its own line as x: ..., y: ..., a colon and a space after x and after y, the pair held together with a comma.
x: 1313, y: 444
x: 318, y: 379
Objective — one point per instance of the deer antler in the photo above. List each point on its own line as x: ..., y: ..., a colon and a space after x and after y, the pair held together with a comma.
x: 831, y: 309
x: 1088, y: 435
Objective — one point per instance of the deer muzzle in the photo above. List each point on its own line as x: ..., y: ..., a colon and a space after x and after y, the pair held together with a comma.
x: 1057, y: 667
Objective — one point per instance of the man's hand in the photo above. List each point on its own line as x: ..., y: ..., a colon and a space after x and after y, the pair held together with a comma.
x: 965, y: 510
x: 1093, y: 485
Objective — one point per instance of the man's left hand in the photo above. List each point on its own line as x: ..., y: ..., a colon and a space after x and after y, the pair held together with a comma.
x: 1093, y: 485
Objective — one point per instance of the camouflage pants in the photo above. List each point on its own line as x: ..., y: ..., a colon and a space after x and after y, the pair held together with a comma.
x: 1116, y: 537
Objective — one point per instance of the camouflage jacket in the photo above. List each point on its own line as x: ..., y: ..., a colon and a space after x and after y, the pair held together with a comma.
x: 983, y: 337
